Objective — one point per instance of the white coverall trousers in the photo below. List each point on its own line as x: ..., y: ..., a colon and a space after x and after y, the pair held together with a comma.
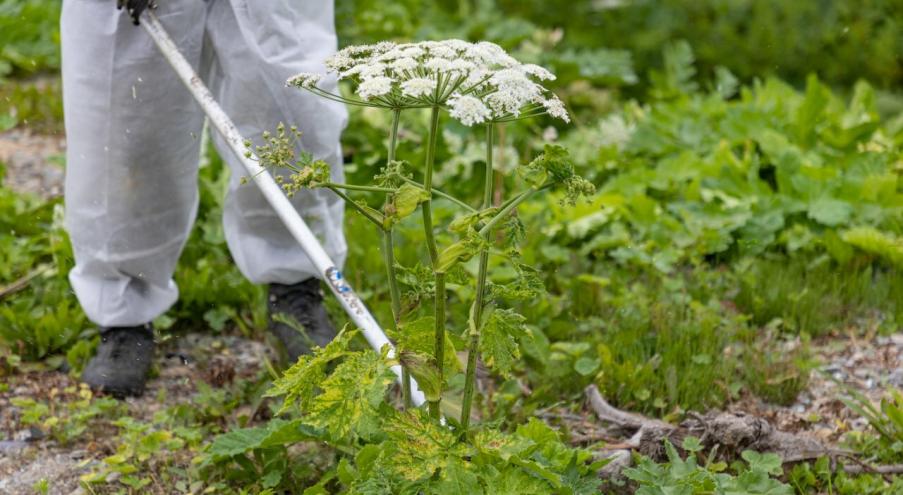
x: 133, y: 143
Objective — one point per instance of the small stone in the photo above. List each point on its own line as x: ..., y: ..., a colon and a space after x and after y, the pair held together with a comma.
x: 896, y: 378
x: 31, y: 434
x: 78, y: 454
x: 12, y: 447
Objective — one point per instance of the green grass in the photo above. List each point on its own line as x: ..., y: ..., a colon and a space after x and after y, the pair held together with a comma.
x: 33, y: 104
x: 818, y: 297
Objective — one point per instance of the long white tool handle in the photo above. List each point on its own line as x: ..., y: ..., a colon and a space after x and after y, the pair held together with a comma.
x: 275, y: 196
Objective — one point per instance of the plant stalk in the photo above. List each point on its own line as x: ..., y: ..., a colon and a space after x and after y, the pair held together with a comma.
x: 389, y: 259
x: 439, y: 304
x: 477, y: 313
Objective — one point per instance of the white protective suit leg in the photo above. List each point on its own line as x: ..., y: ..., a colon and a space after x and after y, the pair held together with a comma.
x: 133, y: 132
x: 131, y: 169
x: 258, y: 45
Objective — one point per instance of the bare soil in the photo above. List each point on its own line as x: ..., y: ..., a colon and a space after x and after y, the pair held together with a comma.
x: 33, y: 161
x: 27, y: 455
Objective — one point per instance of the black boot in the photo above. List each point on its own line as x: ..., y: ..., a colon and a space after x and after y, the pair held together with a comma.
x: 302, y: 302
x: 122, y: 362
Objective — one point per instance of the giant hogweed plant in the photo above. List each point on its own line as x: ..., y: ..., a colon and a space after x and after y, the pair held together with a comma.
x: 418, y: 450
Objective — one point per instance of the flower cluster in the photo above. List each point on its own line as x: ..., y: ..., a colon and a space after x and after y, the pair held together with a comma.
x: 477, y: 82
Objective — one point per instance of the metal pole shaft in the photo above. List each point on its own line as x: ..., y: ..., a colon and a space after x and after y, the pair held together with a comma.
x: 275, y: 196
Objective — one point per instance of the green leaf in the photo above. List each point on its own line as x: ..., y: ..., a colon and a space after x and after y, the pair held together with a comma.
x: 405, y: 201
x: 460, y: 252
x: 299, y: 383
x: 420, y: 365
x: 419, y: 337
x: 767, y: 463
x: 809, y: 114
x: 586, y: 366
x: 499, y: 339
x: 830, y: 212
x: 466, y: 223
x: 351, y: 394
x: 552, y: 164
x: 420, y: 446
x: 503, y: 446
x: 691, y: 444
x: 515, y: 481
x: 275, y: 433
x: 458, y: 478
x: 872, y: 240
x: 271, y: 479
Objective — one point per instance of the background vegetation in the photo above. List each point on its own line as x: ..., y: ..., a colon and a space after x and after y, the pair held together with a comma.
x: 747, y: 158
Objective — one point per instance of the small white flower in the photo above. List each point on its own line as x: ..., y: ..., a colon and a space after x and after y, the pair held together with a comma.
x: 515, y: 82
x: 375, y: 86
x: 477, y: 76
x: 374, y: 69
x: 443, y: 51
x: 461, y: 65
x: 437, y: 64
x: 469, y: 110
x: 505, y: 103
x: 458, y: 45
x: 351, y: 72
x: 339, y: 61
x: 412, y: 51
x: 418, y: 86
x: 491, y: 54
x: 538, y: 72
x: 305, y: 80
x: 404, y: 64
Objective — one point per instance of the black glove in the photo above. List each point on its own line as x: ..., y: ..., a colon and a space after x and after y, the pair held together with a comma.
x: 135, y: 7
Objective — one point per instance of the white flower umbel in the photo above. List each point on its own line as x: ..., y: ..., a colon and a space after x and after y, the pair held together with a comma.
x: 418, y: 87
x: 555, y: 108
x: 469, y: 110
x: 304, y: 80
x: 374, y: 86
x: 441, y: 74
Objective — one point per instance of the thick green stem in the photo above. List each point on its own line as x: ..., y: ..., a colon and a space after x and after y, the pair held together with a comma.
x: 389, y: 259
x: 477, y: 313
x: 426, y: 208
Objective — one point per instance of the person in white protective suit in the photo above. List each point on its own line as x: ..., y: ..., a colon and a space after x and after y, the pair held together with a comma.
x: 133, y: 145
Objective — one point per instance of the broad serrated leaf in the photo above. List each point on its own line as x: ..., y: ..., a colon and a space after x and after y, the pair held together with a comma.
x: 458, y: 478
x: 299, y: 383
x: 420, y: 446
x: 499, y: 339
x: 527, y: 284
x: 512, y: 480
x: 351, y: 394
x: 503, y: 446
